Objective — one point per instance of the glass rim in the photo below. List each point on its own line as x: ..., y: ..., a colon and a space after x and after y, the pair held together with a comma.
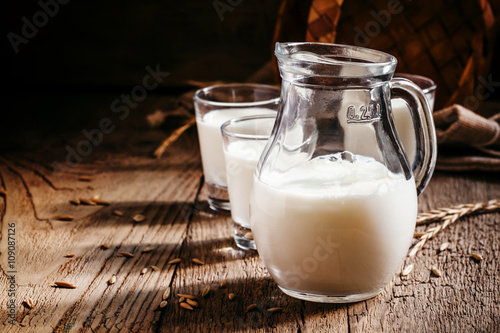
x: 408, y: 76
x: 232, y: 134
x: 199, y: 99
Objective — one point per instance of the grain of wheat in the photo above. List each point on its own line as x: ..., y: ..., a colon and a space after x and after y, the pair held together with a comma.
x: 444, y: 246
x: 100, y: 201
x: 155, y: 268
x: 112, y: 280
x: 407, y: 270
x: 87, y: 202
x: 186, y: 306
x: 477, y: 256
x: 126, y: 254
x: 251, y: 307
x: 192, y: 302
x: 249, y: 235
x: 64, y: 217
x: 231, y: 296
x: 148, y: 249
x: 163, y: 304
x: 186, y: 296
x: 139, y: 218
x: 436, y: 271
x: 205, y: 291
x: 63, y: 284
x: 166, y: 294
x: 30, y: 303
x: 223, y: 283
x: 182, y: 299
x: 174, y: 261
x: 273, y: 310
x: 75, y: 201
x: 144, y: 271
x: 118, y: 212
x: 197, y: 261
x: 105, y: 245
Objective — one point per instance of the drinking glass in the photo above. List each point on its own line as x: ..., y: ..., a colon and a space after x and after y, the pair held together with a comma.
x: 215, y: 105
x: 403, y: 119
x: 244, y: 140
x: 426, y: 84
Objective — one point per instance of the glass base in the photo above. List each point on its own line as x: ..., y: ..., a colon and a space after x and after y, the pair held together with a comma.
x: 330, y: 299
x: 243, y: 237
x: 218, y: 198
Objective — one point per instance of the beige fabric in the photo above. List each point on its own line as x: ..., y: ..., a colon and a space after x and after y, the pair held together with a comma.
x: 456, y: 125
x: 467, y: 140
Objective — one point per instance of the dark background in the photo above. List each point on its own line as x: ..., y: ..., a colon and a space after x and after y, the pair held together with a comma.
x: 100, y: 44
x: 91, y: 52
x: 101, y: 48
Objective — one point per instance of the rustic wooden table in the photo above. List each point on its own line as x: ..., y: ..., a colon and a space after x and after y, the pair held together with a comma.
x: 178, y: 224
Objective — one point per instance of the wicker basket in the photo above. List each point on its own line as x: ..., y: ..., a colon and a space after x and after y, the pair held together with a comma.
x: 448, y: 41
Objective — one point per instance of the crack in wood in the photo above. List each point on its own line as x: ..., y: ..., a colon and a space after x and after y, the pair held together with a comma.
x: 41, y: 175
x: 104, y: 321
x: 4, y: 207
x: 28, y: 192
x: 67, y: 314
x: 348, y: 319
x: 189, y: 220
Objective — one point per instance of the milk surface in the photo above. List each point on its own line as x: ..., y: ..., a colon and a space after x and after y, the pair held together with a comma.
x: 241, y: 159
x: 332, y: 227
x: 210, y: 138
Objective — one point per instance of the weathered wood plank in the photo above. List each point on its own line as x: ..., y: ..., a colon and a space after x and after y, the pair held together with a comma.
x: 210, y: 239
x: 161, y: 190
x: 466, y: 297
x: 179, y: 224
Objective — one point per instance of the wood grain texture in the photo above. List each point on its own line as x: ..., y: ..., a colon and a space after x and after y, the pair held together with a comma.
x: 179, y: 224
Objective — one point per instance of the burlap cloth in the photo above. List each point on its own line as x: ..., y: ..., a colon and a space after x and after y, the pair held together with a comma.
x: 449, y: 41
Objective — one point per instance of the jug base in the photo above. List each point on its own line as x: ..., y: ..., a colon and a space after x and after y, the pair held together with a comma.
x: 319, y: 298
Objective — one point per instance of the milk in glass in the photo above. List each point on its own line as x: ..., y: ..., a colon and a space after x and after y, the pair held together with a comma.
x: 241, y: 159
x: 211, y: 140
x: 330, y: 226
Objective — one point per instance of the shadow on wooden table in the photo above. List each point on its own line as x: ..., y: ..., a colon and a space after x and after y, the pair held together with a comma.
x: 216, y: 311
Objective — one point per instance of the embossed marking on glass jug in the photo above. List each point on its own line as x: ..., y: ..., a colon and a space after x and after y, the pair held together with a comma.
x: 364, y: 114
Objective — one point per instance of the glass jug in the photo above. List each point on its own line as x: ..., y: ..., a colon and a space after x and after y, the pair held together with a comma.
x: 334, y: 200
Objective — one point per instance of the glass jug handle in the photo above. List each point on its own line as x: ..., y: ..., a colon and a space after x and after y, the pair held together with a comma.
x: 425, y: 132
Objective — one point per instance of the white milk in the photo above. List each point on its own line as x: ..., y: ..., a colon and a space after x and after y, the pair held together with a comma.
x: 210, y: 137
x: 241, y: 159
x: 404, y: 126
x: 333, y: 227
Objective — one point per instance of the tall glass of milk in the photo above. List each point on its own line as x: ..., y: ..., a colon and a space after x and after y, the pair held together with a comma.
x: 215, y: 105
x: 334, y: 200
x: 244, y: 140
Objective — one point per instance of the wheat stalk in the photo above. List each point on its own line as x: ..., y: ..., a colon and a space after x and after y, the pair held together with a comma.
x: 437, y: 214
x: 173, y: 137
x: 447, y: 216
